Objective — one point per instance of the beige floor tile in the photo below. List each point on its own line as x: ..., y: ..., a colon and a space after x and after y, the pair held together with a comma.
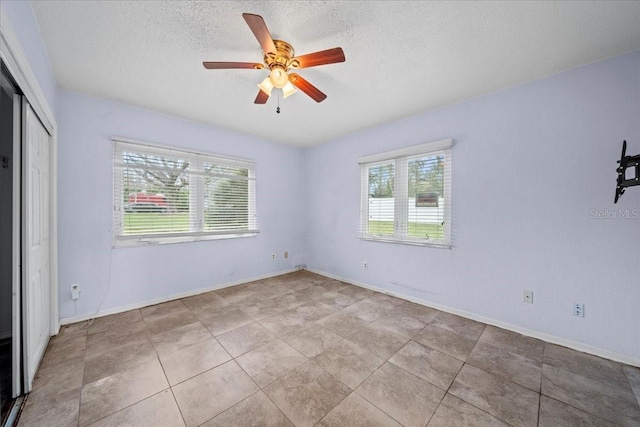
x: 114, y: 321
x: 306, y: 394
x: 271, y: 361
x: 108, y: 395
x: 193, y: 360
x: 235, y: 294
x: 155, y: 312
x: 387, y: 301
x: 507, y: 365
x: 617, y: 404
x: 58, y: 384
x: 349, y: 362
x: 378, y: 341
x: 428, y: 364
x: 337, y: 300
x: 125, y: 383
x: 166, y: 342
x: 202, y: 303
x: 341, y: 323
x: 312, y: 339
x: 515, y: 343
x: 62, y: 414
x: 255, y: 411
x: 505, y: 400
x: 455, y: 412
x: 117, y: 337
x: 416, y: 311
x: 333, y: 285
x: 608, y: 372
x: 225, y: 319
x: 73, y: 330
x: 314, y: 310
x: 58, y: 353
x: 633, y: 375
x: 446, y: 341
x: 297, y: 284
x: 72, y: 357
x: 554, y: 413
x: 210, y: 393
x: 460, y: 325
x: 366, y: 310
x: 354, y: 411
x: 121, y: 358
x: 177, y: 319
x: 312, y: 292
x: 266, y: 307
x: 245, y: 338
x: 408, y: 399
x: 401, y: 325
x: 159, y: 410
x: 357, y: 292
x: 285, y: 322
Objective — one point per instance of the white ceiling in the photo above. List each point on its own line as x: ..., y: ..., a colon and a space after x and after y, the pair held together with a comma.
x: 402, y: 57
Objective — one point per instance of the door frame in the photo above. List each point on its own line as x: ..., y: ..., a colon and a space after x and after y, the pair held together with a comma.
x: 16, y: 62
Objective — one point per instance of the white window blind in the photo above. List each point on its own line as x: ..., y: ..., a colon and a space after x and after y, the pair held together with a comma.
x: 168, y: 195
x: 406, y: 195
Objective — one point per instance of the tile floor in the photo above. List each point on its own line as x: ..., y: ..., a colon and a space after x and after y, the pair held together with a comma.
x: 305, y: 350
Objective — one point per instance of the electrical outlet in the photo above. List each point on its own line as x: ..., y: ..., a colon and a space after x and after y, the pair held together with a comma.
x: 527, y: 296
x: 75, y: 291
x: 365, y: 265
x: 273, y: 256
x: 578, y: 309
x: 286, y: 254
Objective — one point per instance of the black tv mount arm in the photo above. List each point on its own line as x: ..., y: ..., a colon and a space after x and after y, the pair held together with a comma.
x: 627, y: 162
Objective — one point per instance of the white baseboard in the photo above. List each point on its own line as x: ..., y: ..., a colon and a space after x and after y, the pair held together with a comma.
x: 584, y: 348
x: 121, y: 309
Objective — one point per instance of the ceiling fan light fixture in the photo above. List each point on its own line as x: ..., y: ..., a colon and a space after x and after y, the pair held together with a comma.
x: 266, y: 86
x: 288, y: 89
x: 278, y: 77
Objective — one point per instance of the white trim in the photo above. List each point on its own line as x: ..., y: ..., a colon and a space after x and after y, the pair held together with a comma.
x: 575, y: 345
x: 173, y: 149
x: 16, y: 254
x: 121, y: 309
x: 409, y: 151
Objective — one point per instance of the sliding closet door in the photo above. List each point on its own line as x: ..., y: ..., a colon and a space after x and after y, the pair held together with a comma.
x: 36, y: 255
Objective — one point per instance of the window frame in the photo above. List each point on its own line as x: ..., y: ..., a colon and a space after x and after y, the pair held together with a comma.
x: 196, y: 202
x: 400, y: 160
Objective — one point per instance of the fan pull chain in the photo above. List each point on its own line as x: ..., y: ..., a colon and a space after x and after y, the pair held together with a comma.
x: 278, y: 109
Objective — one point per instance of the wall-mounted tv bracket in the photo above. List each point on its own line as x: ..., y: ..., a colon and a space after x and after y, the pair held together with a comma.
x: 627, y: 162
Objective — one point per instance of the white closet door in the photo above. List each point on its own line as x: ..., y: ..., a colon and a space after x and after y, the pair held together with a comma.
x: 36, y: 266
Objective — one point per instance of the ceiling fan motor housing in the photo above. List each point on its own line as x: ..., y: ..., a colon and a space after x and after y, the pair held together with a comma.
x: 282, y: 58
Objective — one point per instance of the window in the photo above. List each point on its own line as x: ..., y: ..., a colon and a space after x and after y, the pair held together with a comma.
x: 164, y: 195
x: 406, y: 195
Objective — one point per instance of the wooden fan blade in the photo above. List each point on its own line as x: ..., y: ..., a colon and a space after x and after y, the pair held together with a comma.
x: 227, y: 65
x: 324, y: 57
x: 261, y: 98
x: 307, y: 87
x: 260, y: 30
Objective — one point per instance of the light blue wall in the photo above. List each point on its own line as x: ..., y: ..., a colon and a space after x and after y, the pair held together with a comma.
x: 530, y: 163
x: 142, y: 274
x: 23, y: 23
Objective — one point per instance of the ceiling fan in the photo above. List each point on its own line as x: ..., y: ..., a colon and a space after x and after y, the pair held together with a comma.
x: 279, y: 58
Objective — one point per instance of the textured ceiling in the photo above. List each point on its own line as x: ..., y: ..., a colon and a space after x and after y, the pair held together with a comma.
x: 402, y: 57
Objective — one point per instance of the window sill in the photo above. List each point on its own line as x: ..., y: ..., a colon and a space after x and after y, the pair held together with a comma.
x: 133, y: 241
x: 429, y: 244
